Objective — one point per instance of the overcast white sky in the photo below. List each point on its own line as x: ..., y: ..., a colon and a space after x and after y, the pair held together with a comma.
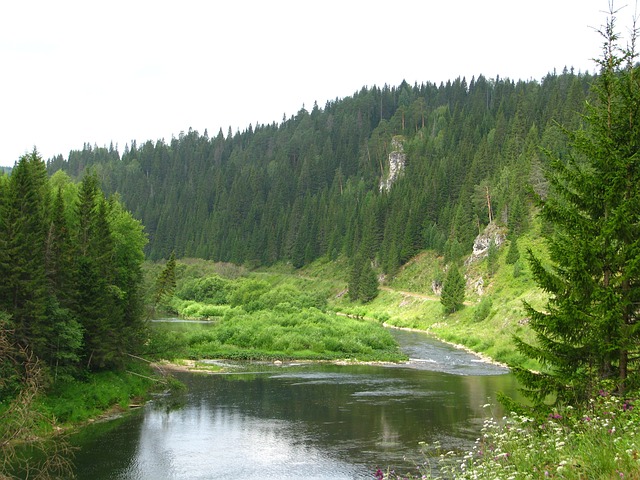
x: 101, y: 71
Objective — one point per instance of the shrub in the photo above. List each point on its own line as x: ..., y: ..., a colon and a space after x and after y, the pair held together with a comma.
x: 212, y: 289
x: 482, y: 310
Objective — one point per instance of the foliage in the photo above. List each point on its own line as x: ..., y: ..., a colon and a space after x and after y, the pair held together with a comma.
x: 211, y: 289
x: 482, y: 310
x: 309, y: 187
x: 600, y: 441
x: 70, y: 270
x: 588, y: 331
x: 22, y: 422
x: 452, y: 297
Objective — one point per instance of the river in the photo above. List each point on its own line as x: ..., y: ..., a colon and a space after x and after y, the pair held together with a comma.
x: 302, y: 420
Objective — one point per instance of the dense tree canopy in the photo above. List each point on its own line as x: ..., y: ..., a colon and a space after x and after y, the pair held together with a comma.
x: 309, y: 186
x: 70, y: 269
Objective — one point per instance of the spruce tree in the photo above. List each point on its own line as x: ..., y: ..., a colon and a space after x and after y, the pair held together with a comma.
x: 588, y: 332
x: 513, y: 254
x: 95, y: 292
x: 23, y: 281
x: 166, y: 282
x: 355, y: 278
x: 368, y: 282
x: 452, y: 297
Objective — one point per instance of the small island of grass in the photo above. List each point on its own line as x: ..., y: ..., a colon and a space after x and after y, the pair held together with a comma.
x: 252, y: 319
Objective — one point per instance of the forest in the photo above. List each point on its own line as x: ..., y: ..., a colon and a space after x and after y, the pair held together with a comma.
x: 370, y: 180
x: 310, y: 186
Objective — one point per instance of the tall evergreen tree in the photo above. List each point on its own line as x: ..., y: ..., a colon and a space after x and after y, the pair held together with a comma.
x: 94, y: 286
x: 452, y: 297
x: 588, y: 333
x: 23, y: 281
x: 166, y: 282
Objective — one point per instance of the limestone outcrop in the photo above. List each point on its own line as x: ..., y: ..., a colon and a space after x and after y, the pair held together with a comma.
x: 397, y: 160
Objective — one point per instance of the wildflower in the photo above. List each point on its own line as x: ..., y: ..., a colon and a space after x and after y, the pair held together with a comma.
x: 379, y: 475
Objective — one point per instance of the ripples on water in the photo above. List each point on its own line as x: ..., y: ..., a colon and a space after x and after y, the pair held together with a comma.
x: 302, y: 421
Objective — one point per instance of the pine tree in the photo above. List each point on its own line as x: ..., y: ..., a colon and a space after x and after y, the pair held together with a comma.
x: 588, y: 333
x: 452, y: 297
x: 513, y: 254
x: 94, y: 278
x: 368, y: 283
x: 166, y: 282
x: 23, y: 281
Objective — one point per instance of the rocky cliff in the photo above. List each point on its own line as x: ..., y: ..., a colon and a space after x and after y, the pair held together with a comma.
x: 397, y: 159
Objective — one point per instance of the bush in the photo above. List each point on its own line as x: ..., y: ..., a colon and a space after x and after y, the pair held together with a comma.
x: 212, y: 289
x: 482, y: 310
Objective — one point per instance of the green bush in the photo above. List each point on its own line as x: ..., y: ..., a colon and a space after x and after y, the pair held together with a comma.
x: 246, y: 294
x: 482, y: 310
x: 212, y: 289
x: 279, y: 334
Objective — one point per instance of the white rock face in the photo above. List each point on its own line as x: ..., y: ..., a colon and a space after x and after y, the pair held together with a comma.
x: 397, y: 160
x: 492, y: 233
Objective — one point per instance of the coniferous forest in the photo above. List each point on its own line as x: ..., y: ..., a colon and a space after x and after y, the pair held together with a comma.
x: 70, y: 263
x: 311, y: 185
x: 374, y: 178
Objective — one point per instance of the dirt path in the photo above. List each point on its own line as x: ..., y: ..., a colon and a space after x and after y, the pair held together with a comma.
x: 421, y: 296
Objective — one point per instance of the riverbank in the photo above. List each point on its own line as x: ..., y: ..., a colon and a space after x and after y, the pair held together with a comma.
x: 218, y: 366
x: 481, y: 356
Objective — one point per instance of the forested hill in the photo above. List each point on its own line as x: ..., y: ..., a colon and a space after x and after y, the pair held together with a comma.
x: 310, y: 186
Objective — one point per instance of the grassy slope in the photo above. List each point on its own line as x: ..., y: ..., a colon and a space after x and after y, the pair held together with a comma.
x: 409, y: 301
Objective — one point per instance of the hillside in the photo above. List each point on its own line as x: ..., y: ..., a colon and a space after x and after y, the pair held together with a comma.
x: 310, y: 187
x: 493, y: 310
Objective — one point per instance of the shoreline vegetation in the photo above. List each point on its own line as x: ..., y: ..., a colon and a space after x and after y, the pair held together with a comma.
x: 564, y: 318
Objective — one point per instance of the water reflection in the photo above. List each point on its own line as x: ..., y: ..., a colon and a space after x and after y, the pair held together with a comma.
x: 301, y: 421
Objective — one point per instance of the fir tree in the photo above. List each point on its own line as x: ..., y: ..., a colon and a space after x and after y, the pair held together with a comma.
x: 368, y: 283
x: 452, y: 297
x: 23, y: 280
x: 166, y: 282
x: 588, y: 333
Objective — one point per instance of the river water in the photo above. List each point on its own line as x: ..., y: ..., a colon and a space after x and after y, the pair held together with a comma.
x: 302, y: 421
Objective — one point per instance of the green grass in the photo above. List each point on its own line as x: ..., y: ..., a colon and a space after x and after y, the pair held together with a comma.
x: 77, y: 401
x: 487, y: 323
x: 601, y: 441
x: 290, y: 333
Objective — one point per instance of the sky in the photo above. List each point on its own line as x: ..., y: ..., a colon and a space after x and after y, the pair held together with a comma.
x: 97, y: 72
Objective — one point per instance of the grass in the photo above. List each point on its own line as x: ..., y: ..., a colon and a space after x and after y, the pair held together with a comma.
x: 306, y: 333
x: 600, y: 441
x: 78, y: 401
x: 267, y: 315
